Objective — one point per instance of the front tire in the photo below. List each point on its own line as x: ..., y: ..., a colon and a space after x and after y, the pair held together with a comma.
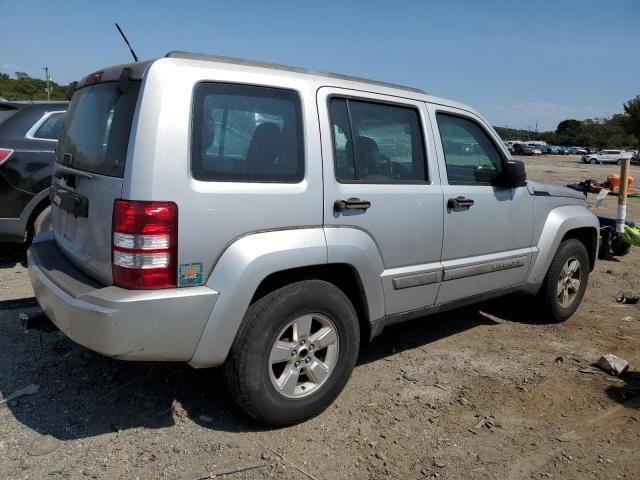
x: 566, y: 281
x: 593, y: 161
x: 294, y: 352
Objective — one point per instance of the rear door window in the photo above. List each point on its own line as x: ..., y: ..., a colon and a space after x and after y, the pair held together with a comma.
x: 97, y: 126
x: 245, y: 133
x: 375, y: 142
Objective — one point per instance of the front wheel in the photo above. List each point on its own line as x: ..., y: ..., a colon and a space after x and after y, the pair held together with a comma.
x: 566, y: 281
x: 294, y: 353
x: 619, y: 162
x: 593, y: 161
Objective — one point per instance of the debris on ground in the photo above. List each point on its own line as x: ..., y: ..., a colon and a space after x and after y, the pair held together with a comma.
x: 488, y: 422
x: 627, y: 298
x: 43, y: 445
x: 28, y: 390
x: 612, y: 364
x: 220, y: 472
x: 568, y: 437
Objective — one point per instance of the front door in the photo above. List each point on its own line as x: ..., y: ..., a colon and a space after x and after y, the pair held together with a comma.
x: 487, y: 229
x: 381, y: 179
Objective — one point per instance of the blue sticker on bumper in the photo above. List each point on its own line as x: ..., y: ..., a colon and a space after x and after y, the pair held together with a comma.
x: 189, y: 274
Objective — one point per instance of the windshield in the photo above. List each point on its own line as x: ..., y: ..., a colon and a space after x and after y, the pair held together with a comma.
x: 96, y: 128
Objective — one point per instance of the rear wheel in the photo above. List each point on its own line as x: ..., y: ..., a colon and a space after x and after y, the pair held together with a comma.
x: 566, y: 281
x: 294, y: 353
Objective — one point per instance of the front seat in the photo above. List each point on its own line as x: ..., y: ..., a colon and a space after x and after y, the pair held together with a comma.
x: 369, y: 161
x: 264, y: 149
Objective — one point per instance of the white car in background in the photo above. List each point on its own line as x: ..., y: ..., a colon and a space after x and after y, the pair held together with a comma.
x: 604, y: 156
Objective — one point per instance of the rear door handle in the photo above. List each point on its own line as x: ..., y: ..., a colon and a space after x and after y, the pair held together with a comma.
x: 460, y: 202
x: 351, y: 204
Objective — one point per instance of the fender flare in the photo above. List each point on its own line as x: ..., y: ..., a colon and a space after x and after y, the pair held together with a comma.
x: 559, y: 221
x: 250, y: 259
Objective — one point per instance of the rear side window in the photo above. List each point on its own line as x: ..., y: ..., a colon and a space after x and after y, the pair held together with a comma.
x: 50, y: 129
x: 245, y: 133
x: 375, y: 142
x: 97, y: 126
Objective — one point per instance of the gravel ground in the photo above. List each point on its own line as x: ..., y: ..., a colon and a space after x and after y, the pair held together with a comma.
x: 484, y: 392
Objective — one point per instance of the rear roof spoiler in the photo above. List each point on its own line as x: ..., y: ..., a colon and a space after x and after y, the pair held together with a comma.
x: 113, y: 73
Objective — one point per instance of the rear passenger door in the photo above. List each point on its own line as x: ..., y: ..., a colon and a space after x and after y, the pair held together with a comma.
x: 487, y: 228
x: 380, y: 178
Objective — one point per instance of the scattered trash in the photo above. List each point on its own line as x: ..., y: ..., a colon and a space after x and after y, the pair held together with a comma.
x: 28, y: 390
x: 228, y: 471
x: 488, y: 422
x: 627, y: 298
x: 464, y: 401
x: 559, y: 360
x: 568, y: 437
x: 43, y: 445
x: 410, y: 377
x: 36, y: 321
x: 612, y: 364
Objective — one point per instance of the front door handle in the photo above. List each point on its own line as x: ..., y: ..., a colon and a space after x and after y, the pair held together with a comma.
x: 351, y: 204
x: 459, y: 202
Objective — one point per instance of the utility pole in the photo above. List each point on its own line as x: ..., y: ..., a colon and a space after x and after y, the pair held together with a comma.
x: 46, y: 74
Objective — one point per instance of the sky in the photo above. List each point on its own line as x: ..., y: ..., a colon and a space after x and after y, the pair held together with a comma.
x: 516, y: 62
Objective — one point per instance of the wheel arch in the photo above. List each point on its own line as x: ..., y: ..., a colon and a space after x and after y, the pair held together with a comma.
x: 563, y: 223
x: 255, y: 264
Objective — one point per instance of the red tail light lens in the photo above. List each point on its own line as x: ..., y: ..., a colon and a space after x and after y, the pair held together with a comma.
x: 144, y: 244
x: 5, y: 153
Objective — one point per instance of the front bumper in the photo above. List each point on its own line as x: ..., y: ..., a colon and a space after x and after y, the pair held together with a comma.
x: 126, y: 324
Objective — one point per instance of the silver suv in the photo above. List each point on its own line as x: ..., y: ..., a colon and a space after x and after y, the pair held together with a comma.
x: 267, y: 218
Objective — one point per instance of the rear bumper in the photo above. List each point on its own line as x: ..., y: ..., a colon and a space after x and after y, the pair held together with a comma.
x: 126, y: 324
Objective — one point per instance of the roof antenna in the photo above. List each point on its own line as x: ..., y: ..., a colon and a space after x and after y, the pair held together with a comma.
x: 135, y: 57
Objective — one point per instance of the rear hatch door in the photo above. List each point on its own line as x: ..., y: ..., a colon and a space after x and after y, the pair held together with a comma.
x: 89, y: 171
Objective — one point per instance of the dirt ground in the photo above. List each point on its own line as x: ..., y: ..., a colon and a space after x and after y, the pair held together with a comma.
x: 413, y: 409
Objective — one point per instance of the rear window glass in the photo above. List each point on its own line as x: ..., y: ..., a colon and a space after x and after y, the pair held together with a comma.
x: 245, y: 133
x: 50, y: 129
x: 97, y: 126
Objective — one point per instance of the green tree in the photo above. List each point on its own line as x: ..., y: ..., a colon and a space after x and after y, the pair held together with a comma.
x: 632, y: 118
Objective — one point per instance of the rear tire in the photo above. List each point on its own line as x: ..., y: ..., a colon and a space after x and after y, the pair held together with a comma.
x: 274, y: 371
x: 565, y: 282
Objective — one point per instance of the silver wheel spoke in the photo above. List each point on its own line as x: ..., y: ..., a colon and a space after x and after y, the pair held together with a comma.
x: 573, y: 266
x: 560, y: 288
x: 288, y: 380
x: 281, y: 352
x: 574, y: 284
x: 317, y: 371
x: 302, y: 327
x: 323, y: 338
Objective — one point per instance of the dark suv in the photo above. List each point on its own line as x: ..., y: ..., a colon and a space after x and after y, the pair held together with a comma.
x: 28, y: 137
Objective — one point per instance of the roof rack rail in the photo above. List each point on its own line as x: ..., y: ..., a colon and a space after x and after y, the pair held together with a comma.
x: 275, y: 66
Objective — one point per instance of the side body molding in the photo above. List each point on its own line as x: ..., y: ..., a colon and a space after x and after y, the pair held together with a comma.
x: 559, y: 221
x: 356, y: 248
x: 237, y: 274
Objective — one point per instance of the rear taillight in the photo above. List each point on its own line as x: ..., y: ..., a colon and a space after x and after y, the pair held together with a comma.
x: 5, y: 153
x: 145, y: 240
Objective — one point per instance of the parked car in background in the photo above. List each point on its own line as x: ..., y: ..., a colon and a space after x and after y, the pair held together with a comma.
x: 523, y: 149
x: 28, y: 137
x: 577, y: 151
x: 635, y: 158
x: 604, y: 156
x: 537, y: 149
x: 272, y: 255
x: 509, y: 147
x: 554, y: 150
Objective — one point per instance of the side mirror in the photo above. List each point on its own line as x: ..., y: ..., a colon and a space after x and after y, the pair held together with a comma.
x: 514, y: 174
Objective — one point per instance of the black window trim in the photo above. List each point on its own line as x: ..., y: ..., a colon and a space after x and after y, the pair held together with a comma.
x: 303, y: 134
x: 347, y: 97
x: 479, y: 124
